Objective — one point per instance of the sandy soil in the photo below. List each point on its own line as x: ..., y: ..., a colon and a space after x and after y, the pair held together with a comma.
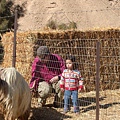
x: 109, y: 101
x: 109, y: 108
x: 88, y: 14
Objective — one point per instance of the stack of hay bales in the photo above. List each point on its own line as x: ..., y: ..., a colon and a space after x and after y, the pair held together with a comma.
x: 24, y: 52
x: 81, y: 44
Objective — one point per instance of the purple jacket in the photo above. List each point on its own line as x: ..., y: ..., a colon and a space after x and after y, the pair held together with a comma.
x: 45, y: 72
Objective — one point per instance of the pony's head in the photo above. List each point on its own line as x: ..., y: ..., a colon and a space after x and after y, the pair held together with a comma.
x: 15, y: 95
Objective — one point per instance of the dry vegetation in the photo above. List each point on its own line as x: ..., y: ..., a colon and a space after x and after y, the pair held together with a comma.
x: 109, y: 108
x: 92, y: 18
x: 81, y: 44
x: 62, y: 43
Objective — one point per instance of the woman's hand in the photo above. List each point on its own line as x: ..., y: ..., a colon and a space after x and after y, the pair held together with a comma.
x: 62, y: 89
x: 54, y: 79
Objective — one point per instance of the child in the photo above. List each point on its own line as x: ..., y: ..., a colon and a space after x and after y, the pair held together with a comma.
x: 71, y: 83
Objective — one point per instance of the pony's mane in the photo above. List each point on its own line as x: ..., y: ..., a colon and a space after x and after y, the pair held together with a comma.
x: 17, y: 98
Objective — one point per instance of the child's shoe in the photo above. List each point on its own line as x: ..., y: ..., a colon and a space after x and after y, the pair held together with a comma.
x: 65, y: 111
x: 77, y: 113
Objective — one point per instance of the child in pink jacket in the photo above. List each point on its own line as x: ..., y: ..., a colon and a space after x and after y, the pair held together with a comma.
x: 71, y: 83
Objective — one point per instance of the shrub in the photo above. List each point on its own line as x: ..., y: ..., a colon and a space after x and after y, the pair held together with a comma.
x: 72, y: 25
x: 62, y: 26
x: 52, y: 24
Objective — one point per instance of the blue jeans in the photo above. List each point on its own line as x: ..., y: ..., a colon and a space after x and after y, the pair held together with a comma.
x: 67, y: 97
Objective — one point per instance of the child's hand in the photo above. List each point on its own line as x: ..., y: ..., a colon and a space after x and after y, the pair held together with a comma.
x: 62, y: 89
x: 80, y: 89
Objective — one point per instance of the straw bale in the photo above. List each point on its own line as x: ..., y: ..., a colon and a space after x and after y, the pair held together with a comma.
x: 80, y: 43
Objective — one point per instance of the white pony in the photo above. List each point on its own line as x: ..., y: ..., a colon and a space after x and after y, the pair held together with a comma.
x: 15, y: 95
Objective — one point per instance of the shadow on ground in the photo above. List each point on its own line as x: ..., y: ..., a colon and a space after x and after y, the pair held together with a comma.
x: 46, y: 113
x: 85, y: 101
x: 89, y: 103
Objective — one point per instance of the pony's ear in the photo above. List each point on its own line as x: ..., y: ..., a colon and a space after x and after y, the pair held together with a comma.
x: 1, y: 69
x: 1, y: 81
x: 3, y: 88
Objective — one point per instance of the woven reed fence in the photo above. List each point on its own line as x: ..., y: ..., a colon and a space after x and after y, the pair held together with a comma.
x: 81, y: 44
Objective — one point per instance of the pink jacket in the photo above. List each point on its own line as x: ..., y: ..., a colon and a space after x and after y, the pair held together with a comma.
x: 43, y: 72
x: 71, y: 80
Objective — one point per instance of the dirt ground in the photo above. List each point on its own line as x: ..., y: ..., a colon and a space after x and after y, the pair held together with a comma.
x: 87, y: 14
x: 109, y: 108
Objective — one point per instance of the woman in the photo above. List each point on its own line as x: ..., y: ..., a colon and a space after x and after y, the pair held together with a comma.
x: 46, y: 72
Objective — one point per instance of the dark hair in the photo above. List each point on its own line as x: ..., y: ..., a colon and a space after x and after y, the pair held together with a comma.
x: 72, y: 58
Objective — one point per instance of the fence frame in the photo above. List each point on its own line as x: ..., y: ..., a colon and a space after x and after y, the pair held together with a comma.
x: 97, y: 78
x: 14, y: 42
x: 97, y: 65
